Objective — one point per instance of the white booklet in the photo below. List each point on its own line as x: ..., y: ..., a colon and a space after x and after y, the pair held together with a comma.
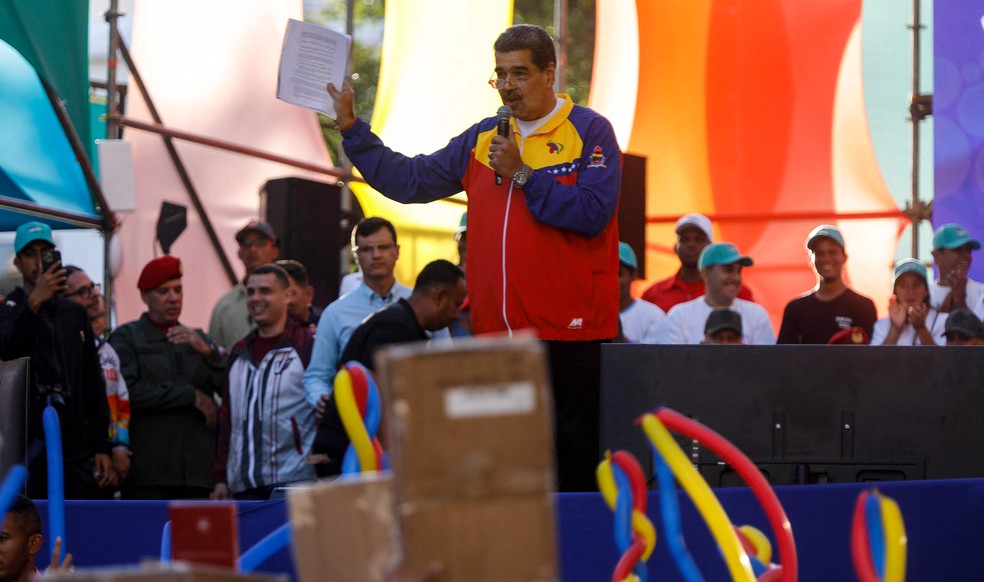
x: 312, y: 56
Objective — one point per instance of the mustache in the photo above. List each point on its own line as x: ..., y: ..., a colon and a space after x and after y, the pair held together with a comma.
x: 511, y: 95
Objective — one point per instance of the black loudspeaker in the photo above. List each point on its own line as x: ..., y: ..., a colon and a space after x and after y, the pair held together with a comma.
x: 313, y: 229
x: 632, y: 207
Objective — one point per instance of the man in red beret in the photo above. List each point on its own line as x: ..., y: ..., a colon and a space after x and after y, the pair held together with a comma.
x: 173, y: 372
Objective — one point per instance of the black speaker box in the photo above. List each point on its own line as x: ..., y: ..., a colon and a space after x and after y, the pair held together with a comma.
x: 632, y: 207
x: 313, y: 229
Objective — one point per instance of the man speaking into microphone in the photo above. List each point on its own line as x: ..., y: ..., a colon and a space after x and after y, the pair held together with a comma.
x: 542, y: 240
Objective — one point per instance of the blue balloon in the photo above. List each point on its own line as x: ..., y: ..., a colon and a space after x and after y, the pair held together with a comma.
x: 876, y: 533
x: 275, y: 541
x: 350, y: 462
x: 56, y: 477
x: 670, y: 510
x: 623, y: 510
x: 166, y: 542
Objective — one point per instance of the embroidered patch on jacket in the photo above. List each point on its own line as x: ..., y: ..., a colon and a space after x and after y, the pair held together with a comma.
x: 554, y: 147
x: 597, y: 158
x: 576, y: 323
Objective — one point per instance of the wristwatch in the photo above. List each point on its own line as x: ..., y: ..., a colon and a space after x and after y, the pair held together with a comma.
x: 520, y: 178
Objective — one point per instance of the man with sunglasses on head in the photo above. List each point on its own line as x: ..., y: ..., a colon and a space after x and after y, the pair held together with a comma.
x: 375, y: 248
x: 542, y: 191
x: 230, y: 322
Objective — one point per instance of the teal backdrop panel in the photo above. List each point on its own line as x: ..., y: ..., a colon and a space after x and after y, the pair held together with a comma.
x: 37, y: 163
x: 53, y: 35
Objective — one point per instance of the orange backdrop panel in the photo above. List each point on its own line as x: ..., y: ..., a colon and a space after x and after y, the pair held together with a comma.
x: 751, y: 111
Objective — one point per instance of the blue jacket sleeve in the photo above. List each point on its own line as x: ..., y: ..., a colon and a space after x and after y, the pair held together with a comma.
x: 421, y: 178
x: 320, y: 372
x: 587, y: 206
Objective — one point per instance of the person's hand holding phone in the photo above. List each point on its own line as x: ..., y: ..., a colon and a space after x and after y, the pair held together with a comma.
x: 50, y: 281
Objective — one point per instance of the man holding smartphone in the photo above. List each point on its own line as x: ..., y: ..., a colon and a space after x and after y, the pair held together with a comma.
x: 36, y: 321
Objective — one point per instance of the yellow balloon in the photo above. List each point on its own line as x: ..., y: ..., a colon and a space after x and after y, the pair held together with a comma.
x: 710, y: 508
x: 642, y: 526
x: 609, y: 491
x: 606, y: 481
x: 348, y: 409
x: 895, y: 539
x: 763, y: 548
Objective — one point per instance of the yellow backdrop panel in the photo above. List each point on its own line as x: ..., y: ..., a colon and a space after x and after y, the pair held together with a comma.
x: 436, y: 60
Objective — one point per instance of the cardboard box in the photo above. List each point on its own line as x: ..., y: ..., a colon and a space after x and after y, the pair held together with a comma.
x: 161, y: 572
x: 469, y: 434
x: 344, y: 530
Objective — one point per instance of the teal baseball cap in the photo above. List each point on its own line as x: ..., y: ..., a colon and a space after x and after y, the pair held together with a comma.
x: 30, y: 232
x: 953, y: 236
x: 910, y: 266
x: 462, y: 226
x: 825, y: 231
x: 627, y: 256
x: 722, y: 253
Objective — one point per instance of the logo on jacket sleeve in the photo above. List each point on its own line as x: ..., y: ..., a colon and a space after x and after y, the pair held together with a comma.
x: 554, y: 147
x: 597, y: 158
x: 576, y: 323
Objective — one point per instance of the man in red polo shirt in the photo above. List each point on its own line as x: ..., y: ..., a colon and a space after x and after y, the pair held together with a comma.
x: 693, y: 234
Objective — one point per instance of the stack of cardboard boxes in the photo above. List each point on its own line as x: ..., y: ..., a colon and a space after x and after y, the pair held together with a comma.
x: 469, y: 435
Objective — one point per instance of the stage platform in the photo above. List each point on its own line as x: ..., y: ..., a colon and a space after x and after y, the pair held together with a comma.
x: 942, y: 520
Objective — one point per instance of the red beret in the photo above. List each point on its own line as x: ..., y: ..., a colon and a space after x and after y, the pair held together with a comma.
x: 159, y: 271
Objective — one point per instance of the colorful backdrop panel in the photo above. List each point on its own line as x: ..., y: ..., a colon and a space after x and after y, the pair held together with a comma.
x: 958, y: 108
x: 753, y: 113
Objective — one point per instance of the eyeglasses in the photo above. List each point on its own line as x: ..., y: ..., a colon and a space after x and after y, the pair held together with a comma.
x: 372, y: 247
x: 257, y: 243
x: 84, y: 292
x: 500, y: 80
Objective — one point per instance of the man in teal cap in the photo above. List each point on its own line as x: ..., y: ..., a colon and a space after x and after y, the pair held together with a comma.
x: 720, y: 265
x: 952, y: 248
x: 37, y: 321
x: 637, y: 318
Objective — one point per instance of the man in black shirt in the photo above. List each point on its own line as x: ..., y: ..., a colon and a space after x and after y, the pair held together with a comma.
x: 437, y: 296
x: 37, y: 321
x: 831, y: 306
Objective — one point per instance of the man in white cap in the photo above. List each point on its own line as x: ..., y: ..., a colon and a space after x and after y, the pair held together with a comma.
x: 637, y: 318
x: 720, y: 265
x: 952, y: 247
x: 693, y: 234
x: 831, y: 306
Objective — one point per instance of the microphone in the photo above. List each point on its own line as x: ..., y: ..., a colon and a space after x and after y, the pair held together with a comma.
x: 504, y: 113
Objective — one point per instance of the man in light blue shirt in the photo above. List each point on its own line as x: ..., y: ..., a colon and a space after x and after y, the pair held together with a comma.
x: 375, y: 248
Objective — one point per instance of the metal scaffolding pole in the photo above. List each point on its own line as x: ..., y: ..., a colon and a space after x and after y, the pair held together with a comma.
x: 920, y: 107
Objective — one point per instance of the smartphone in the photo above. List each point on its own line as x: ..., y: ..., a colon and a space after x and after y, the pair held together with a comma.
x: 48, y: 258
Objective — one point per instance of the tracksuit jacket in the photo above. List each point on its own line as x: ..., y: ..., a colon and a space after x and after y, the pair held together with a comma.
x: 266, y: 425
x: 543, y: 257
